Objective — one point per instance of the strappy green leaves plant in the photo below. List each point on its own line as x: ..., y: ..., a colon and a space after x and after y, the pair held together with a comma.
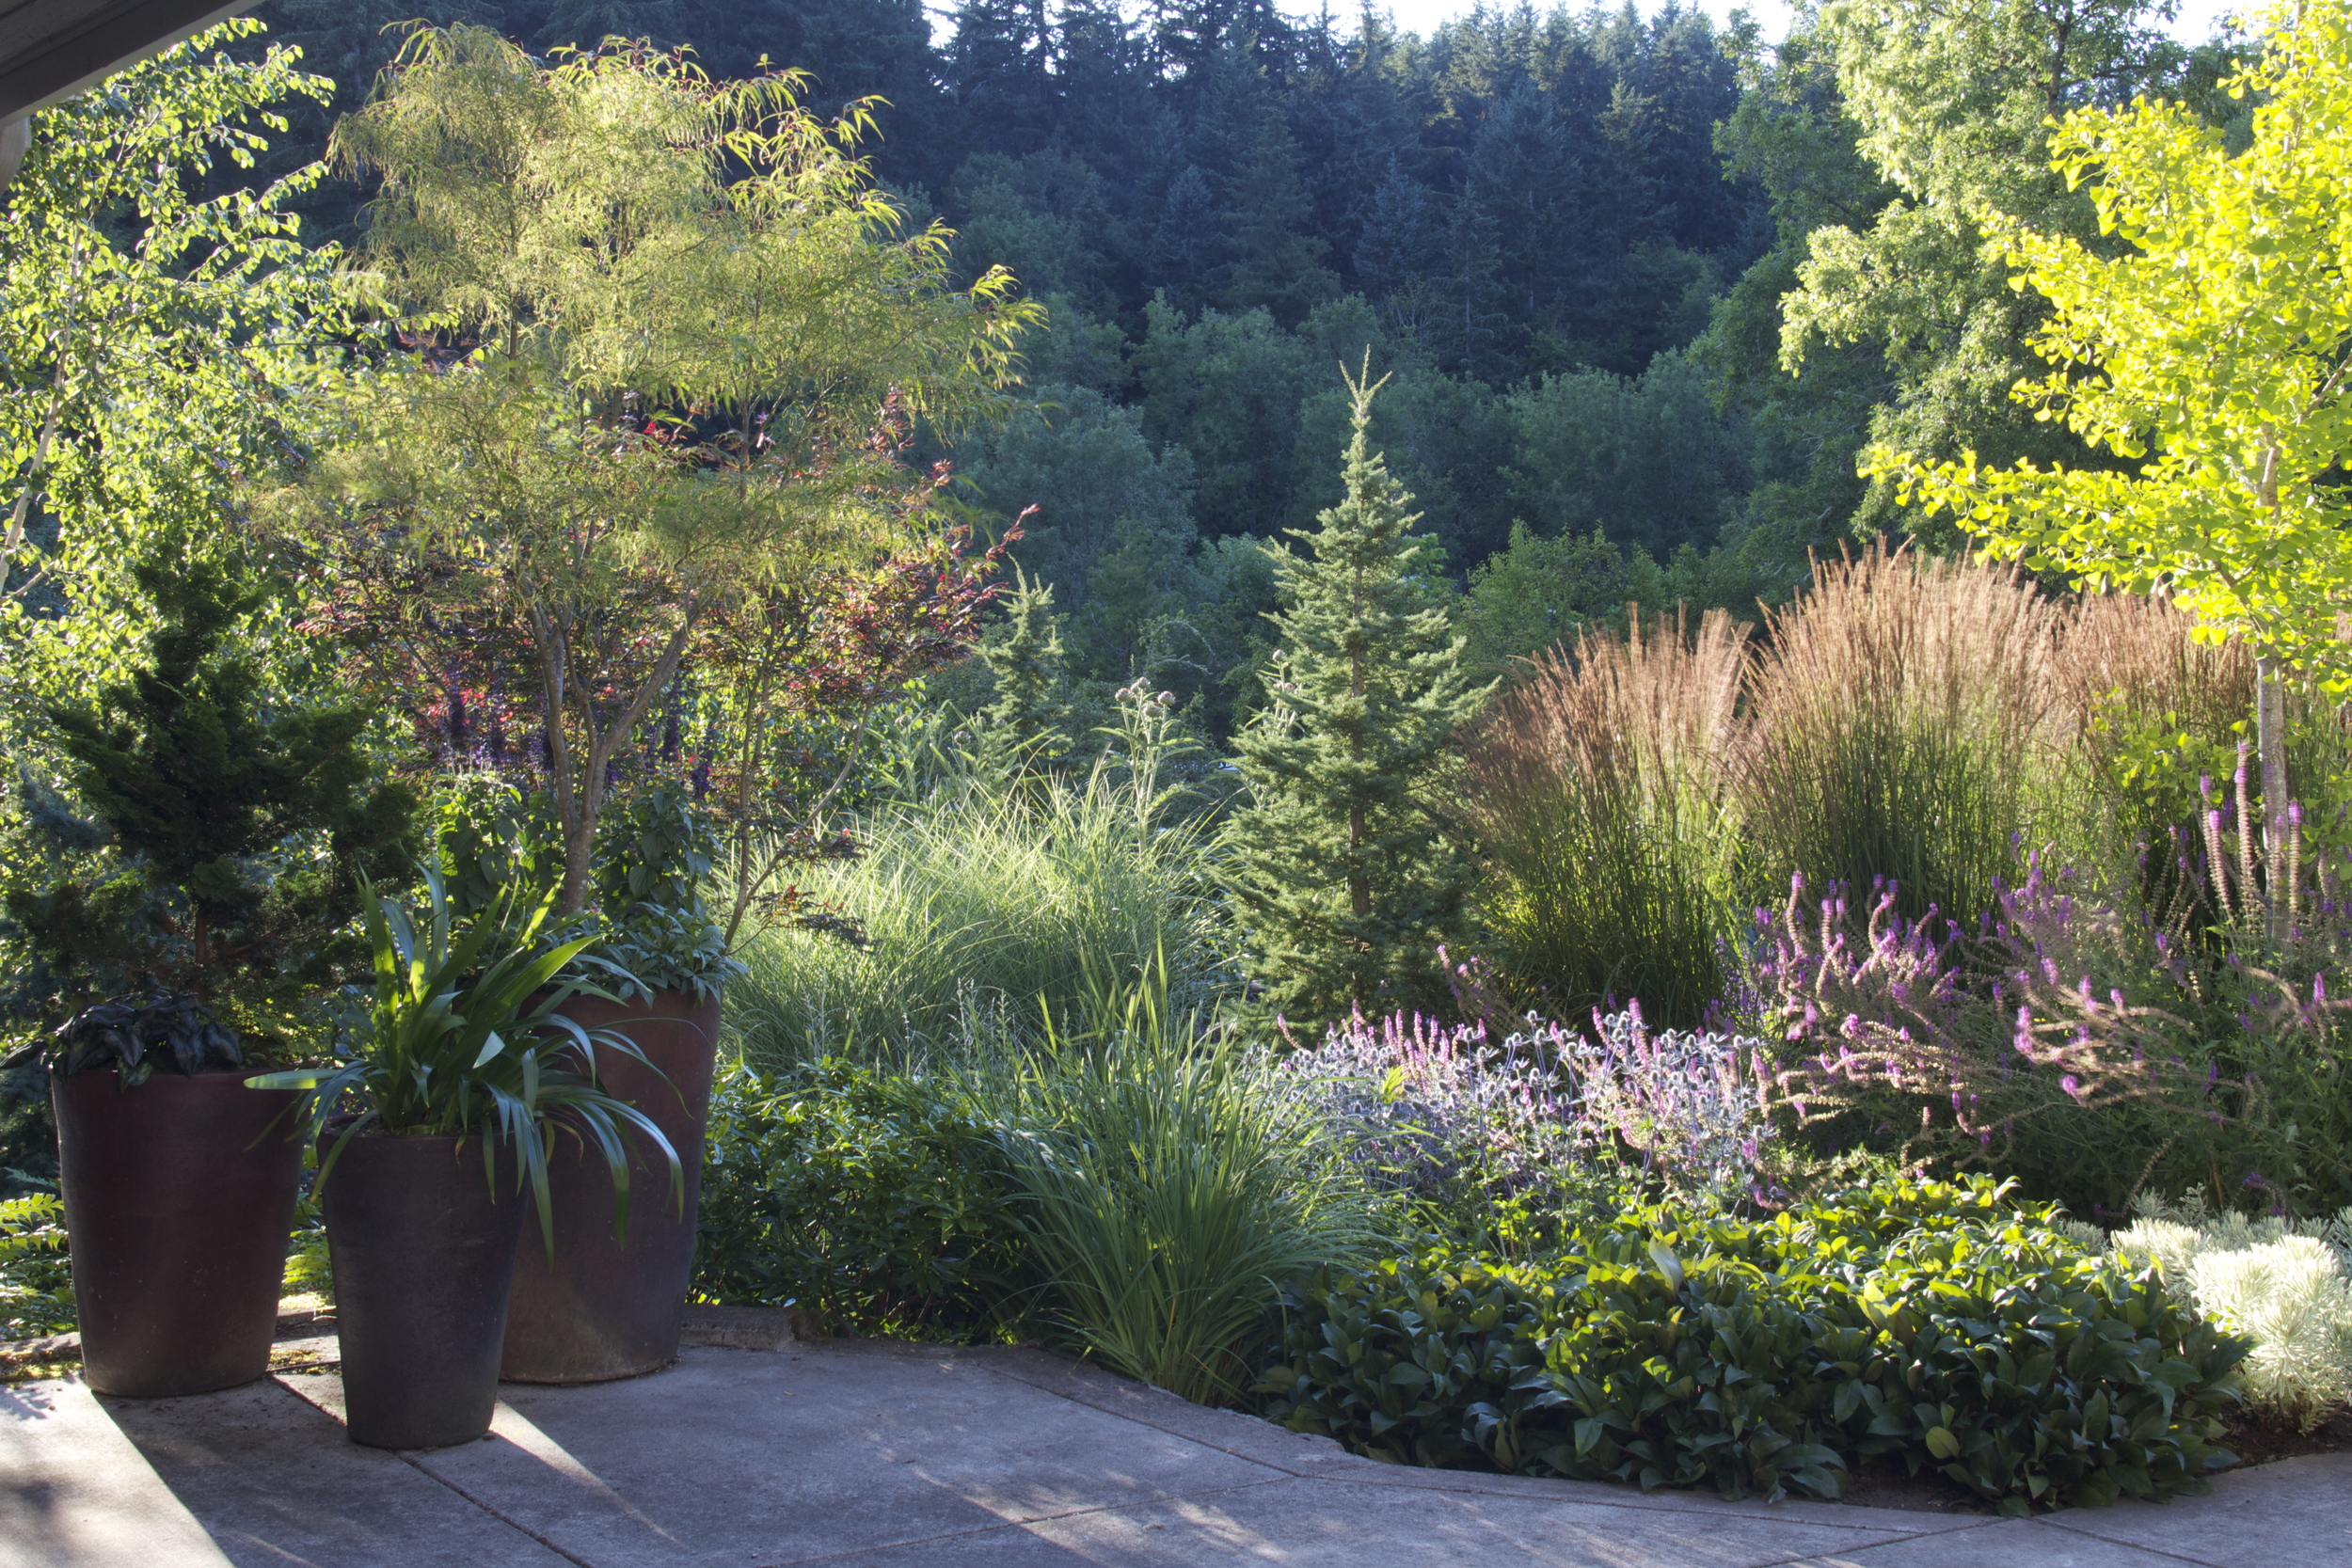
x: 463, y: 1036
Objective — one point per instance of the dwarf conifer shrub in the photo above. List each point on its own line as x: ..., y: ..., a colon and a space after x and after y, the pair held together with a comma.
x: 1341, y: 875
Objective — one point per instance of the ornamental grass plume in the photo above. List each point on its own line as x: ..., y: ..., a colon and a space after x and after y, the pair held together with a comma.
x: 1908, y: 717
x: 1597, y: 790
x: 987, y: 893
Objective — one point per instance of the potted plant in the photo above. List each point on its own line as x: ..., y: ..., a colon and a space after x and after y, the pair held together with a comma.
x: 529, y: 508
x: 455, y: 1085
x: 200, y: 864
x: 599, y: 1304
x: 179, y: 1191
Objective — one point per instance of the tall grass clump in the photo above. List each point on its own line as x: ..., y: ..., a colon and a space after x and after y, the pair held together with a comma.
x: 1596, y: 789
x: 1908, y: 723
x: 2152, y: 711
x: 1167, y: 1186
x: 980, y: 896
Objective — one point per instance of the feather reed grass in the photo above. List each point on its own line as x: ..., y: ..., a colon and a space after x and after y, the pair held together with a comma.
x: 1908, y: 723
x: 1596, y: 789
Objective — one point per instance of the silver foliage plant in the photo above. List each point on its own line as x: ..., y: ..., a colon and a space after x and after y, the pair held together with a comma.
x: 2286, y: 1284
x: 1440, y: 1110
x: 1695, y: 1104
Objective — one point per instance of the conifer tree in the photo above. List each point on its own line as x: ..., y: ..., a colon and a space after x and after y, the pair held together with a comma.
x: 1025, y: 726
x: 231, y: 820
x: 1344, y: 881
x: 1278, y: 258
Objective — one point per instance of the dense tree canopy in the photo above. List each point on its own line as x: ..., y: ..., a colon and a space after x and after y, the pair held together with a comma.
x: 1629, y: 274
x: 650, y: 322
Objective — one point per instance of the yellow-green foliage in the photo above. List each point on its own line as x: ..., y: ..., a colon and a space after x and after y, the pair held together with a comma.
x: 1935, y: 1324
x: 309, y: 1272
x: 35, y: 1286
x: 979, y: 901
x: 2284, y: 1284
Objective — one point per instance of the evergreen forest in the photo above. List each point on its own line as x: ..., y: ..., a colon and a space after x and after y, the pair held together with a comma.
x: 1645, y: 286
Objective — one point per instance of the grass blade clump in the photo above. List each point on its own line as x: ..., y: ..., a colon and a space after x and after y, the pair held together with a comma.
x: 2152, y: 710
x: 1596, y: 789
x: 1908, y: 725
x: 978, y: 895
x: 1166, y: 1188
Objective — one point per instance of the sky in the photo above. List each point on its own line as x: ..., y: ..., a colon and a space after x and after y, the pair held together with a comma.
x: 2194, y: 24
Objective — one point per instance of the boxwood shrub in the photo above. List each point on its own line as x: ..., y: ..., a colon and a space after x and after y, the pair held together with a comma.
x: 1937, y: 1323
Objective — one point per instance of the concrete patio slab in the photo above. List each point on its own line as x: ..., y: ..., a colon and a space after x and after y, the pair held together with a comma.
x: 74, y: 1492
x: 876, y: 1454
x: 2290, y: 1515
x: 274, y: 1480
x: 1342, y: 1524
x: 2005, y: 1543
x: 830, y: 1451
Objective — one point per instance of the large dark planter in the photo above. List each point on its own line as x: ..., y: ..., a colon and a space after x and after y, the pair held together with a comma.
x: 178, y: 1197
x: 603, y: 1309
x: 423, y: 1250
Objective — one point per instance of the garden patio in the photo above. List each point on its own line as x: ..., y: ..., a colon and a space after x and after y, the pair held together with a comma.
x: 877, y: 1453
x: 591, y: 759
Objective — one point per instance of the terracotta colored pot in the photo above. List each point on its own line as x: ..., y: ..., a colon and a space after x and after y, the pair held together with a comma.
x: 607, y: 1309
x: 179, y: 1194
x: 424, y: 1249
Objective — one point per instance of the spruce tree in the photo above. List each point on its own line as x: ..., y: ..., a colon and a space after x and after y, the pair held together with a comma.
x: 1277, y: 257
x: 1022, y: 729
x: 1344, y: 883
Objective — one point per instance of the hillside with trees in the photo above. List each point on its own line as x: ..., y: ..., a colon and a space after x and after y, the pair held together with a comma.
x: 1644, y: 288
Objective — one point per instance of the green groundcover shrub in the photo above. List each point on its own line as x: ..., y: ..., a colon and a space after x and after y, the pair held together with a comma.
x: 863, y: 1197
x: 1931, y: 1322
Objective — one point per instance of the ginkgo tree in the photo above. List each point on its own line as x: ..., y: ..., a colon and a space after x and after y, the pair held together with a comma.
x: 2205, y: 347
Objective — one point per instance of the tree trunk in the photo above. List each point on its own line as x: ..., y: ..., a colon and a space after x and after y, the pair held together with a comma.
x: 2271, y: 743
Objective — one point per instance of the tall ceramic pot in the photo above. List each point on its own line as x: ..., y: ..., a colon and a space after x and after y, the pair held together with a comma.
x: 179, y: 1194
x: 422, y: 1243
x: 607, y: 1308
